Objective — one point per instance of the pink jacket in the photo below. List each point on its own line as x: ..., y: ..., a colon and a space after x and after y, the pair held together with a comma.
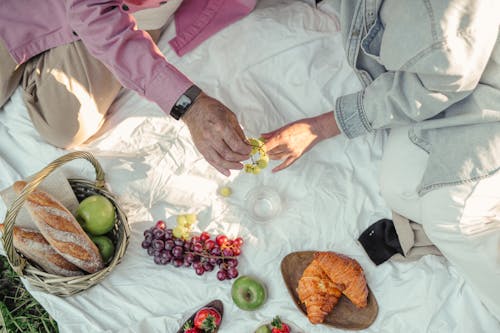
x: 30, y: 27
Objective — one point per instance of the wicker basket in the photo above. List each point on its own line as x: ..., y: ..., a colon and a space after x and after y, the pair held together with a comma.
x: 54, y: 284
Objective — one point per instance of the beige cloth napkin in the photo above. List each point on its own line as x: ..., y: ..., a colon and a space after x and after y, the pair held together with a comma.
x: 413, y: 240
x: 56, y: 185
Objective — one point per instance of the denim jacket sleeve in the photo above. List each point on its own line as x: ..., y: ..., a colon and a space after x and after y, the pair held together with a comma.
x: 107, y: 31
x: 443, y: 73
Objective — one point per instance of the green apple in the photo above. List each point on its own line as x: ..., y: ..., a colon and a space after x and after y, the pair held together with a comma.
x: 96, y: 215
x: 263, y: 329
x: 248, y: 293
x: 105, y: 246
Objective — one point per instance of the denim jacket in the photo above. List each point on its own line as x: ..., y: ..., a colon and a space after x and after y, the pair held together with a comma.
x: 432, y: 65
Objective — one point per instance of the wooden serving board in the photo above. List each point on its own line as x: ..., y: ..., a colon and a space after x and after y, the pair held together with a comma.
x: 344, y: 315
x: 216, y: 304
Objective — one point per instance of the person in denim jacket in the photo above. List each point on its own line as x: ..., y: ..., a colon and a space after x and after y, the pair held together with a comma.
x: 73, y: 57
x: 431, y: 77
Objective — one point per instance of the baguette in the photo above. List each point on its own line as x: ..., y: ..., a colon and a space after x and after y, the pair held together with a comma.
x: 61, y: 230
x: 35, y: 247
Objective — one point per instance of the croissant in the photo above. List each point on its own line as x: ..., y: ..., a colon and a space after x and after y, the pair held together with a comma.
x: 317, y: 292
x: 347, y: 273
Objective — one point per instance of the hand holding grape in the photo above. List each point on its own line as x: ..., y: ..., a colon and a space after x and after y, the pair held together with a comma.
x: 217, y: 134
x: 291, y: 141
x: 258, y: 156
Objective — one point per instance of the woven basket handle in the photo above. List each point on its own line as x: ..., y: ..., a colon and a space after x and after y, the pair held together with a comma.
x: 16, y: 261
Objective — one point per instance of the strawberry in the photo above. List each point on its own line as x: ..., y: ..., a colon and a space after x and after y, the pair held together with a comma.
x: 192, y: 330
x: 188, y: 328
x: 278, y: 326
x: 207, y: 319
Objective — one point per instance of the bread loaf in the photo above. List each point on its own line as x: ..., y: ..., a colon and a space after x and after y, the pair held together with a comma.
x: 35, y: 247
x: 61, y: 230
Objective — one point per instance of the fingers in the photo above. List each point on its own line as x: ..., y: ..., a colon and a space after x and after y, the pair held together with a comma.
x: 222, y: 170
x: 222, y: 165
x: 231, y: 148
x: 281, y: 155
x: 289, y: 161
x: 269, y: 134
x: 221, y: 157
x: 217, y: 134
x: 275, y: 140
x: 234, y: 147
x: 278, y: 152
x: 271, y: 144
x: 226, y: 153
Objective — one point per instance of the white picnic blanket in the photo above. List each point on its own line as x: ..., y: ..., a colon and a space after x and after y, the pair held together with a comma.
x: 283, y: 62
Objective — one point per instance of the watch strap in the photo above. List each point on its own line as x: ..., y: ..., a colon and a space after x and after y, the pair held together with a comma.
x: 184, y: 102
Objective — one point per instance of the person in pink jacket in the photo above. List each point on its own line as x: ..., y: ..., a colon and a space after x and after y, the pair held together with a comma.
x: 72, y: 58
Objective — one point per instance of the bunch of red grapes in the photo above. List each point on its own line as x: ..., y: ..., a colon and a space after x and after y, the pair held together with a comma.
x: 201, y: 252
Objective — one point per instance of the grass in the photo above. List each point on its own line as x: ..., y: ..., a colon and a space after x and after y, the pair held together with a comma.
x: 19, y: 311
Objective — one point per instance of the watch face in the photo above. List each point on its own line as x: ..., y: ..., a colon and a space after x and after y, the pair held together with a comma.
x: 183, y: 101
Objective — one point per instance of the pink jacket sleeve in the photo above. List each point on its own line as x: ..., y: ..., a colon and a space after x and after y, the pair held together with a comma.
x: 196, y: 20
x: 109, y: 35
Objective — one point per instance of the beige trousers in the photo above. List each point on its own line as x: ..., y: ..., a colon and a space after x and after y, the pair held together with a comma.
x: 462, y: 221
x: 66, y: 90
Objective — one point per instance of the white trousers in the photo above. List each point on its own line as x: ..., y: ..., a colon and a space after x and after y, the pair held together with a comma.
x: 463, y: 221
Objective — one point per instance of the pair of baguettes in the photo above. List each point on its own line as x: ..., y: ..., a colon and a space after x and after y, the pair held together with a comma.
x: 33, y: 246
x: 60, y: 246
x: 324, y: 281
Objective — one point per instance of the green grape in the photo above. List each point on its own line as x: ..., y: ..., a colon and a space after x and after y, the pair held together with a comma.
x: 225, y: 191
x: 181, y: 220
x: 178, y: 231
x: 262, y: 163
x: 191, y: 219
x: 258, y: 162
x: 254, y: 142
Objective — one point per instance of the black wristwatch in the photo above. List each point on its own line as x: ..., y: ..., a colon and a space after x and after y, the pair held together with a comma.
x: 184, y: 102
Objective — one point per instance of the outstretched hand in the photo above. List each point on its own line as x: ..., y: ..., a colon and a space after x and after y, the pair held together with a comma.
x: 217, y: 134
x: 291, y: 141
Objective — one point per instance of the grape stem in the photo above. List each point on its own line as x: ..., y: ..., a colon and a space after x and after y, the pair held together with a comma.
x: 211, y: 256
x: 252, y: 155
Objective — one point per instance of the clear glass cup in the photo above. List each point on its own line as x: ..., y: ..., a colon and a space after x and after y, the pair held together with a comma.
x: 263, y: 203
